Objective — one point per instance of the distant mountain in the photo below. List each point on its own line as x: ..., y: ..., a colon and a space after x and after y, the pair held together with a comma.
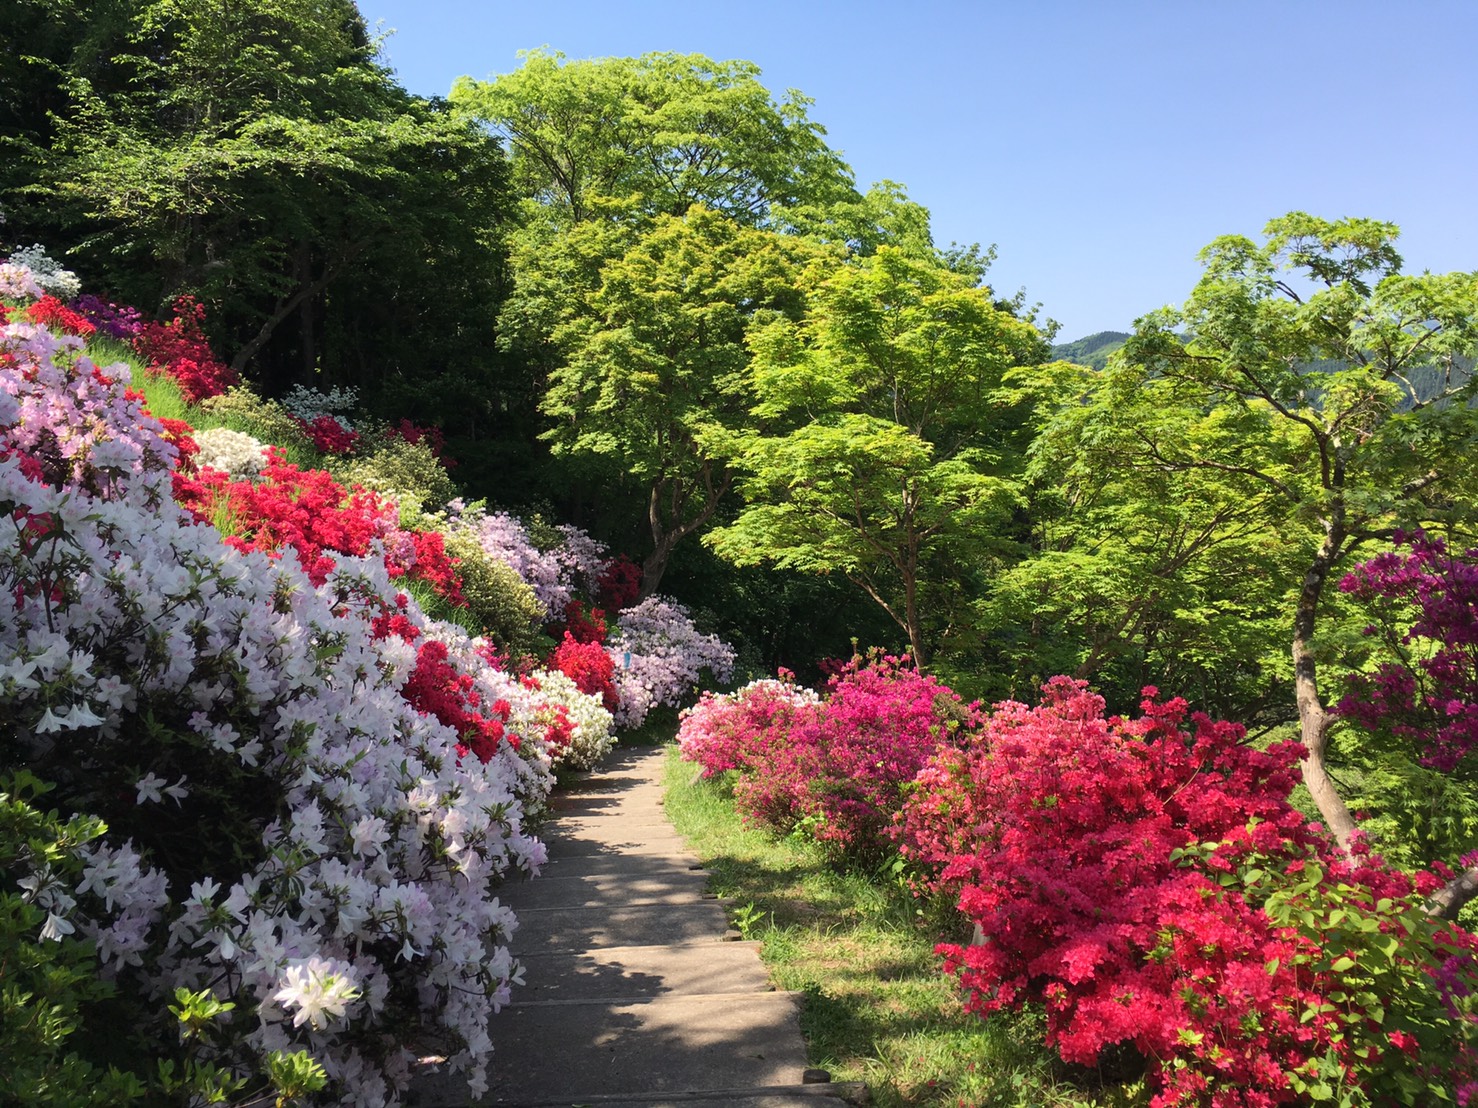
x: 1091, y: 351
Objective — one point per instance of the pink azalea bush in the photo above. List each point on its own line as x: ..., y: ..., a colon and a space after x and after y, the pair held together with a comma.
x: 287, y: 831
x: 731, y: 731
x: 1424, y: 605
x: 839, y: 765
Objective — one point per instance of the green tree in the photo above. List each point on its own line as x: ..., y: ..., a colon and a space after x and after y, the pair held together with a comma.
x: 889, y: 455
x: 665, y: 131
x: 1310, y: 380
x: 655, y: 370
x: 256, y: 154
x: 1141, y: 575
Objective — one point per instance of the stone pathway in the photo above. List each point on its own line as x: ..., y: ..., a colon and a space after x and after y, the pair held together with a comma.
x: 637, y: 991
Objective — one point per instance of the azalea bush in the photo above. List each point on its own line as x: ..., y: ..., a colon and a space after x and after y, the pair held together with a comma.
x: 309, y: 513
x: 836, y: 766
x: 659, y: 658
x: 179, y: 350
x: 1147, y: 882
x: 308, y: 806
x: 47, y: 273
x: 233, y: 453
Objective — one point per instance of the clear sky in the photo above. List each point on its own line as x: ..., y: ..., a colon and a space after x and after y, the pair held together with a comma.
x: 1098, y: 143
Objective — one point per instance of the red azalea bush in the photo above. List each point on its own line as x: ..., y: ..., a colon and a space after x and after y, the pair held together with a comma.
x: 179, y: 350
x: 619, y: 584
x: 51, y: 312
x: 413, y: 433
x: 589, y: 666
x: 1151, y: 886
x: 584, y: 624
x: 182, y: 436
x: 438, y: 688
x: 328, y: 435
x: 307, y: 510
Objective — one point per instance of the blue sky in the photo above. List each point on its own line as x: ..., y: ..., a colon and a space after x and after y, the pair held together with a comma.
x: 1099, y: 145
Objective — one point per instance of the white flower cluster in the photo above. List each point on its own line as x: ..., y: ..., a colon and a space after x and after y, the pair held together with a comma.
x: 48, y: 272
x: 234, y: 453
x: 659, y: 656
x: 227, y: 696
x: 308, y: 404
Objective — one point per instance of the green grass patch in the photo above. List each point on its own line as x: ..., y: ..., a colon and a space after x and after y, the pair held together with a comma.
x: 877, y: 1006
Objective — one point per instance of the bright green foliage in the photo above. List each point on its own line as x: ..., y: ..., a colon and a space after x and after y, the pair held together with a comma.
x: 655, y: 376
x: 1307, y: 400
x: 891, y: 451
x: 407, y: 472
x: 46, y: 983
x: 1141, y: 574
x: 663, y: 132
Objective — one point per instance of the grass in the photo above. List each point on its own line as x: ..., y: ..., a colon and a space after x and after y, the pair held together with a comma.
x: 877, y: 1006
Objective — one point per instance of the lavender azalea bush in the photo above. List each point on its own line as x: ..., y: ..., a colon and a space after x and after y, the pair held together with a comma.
x: 660, y: 657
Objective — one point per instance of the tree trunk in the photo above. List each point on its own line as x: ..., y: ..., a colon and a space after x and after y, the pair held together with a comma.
x: 1314, y: 720
x: 1446, y: 903
x: 655, y: 565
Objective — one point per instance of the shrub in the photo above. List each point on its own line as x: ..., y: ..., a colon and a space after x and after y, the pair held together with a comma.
x: 578, y: 725
x: 589, y: 666
x: 179, y: 350
x: 233, y: 453
x: 243, y: 410
x: 499, y: 601
x: 288, y: 834
x: 659, y: 657
x: 404, y: 470
x: 47, y: 272
x: 1151, y: 886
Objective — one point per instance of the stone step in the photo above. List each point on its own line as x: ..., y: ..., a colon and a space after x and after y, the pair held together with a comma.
x: 668, y: 886
x: 629, y: 972
x: 541, y: 930
x: 634, y: 865
x: 618, y: 824
x: 651, y: 840
x: 648, y: 1049
x: 646, y: 802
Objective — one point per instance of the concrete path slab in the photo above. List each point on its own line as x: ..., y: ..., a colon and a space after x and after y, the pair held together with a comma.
x: 634, y: 865
x: 665, y: 886
x: 646, y: 1047
x: 546, y: 929
x: 571, y: 846
x: 627, y: 972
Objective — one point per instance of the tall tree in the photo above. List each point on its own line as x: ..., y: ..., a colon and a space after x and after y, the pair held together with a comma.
x: 1308, y: 375
x: 888, y: 456
x: 655, y: 373
x: 256, y: 154
x: 664, y: 131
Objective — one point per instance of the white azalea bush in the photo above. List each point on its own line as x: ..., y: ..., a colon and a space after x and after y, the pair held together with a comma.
x: 309, y: 857
x: 47, y: 272
x: 234, y: 453
x: 581, y: 726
